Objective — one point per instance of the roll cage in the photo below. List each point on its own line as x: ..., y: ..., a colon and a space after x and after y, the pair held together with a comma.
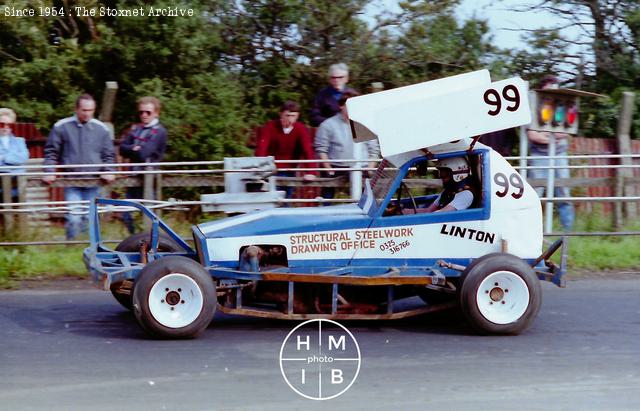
x: 380, y: 189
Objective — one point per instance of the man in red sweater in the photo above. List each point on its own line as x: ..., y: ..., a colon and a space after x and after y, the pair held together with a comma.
x: 287, y: 139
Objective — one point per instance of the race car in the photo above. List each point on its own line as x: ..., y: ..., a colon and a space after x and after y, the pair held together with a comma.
x: 385, y: 257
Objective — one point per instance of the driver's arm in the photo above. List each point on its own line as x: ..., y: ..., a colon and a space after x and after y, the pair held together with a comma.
x: 448, y: 207
x: 433, y: 206
x: 461, y: 201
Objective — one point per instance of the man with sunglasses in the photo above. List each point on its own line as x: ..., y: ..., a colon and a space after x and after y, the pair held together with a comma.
x: 325, y: 104
x: 145, y: 142
x: 80, y: 139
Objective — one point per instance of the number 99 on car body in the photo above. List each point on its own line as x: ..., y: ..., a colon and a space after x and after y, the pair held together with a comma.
x: 385, y: 257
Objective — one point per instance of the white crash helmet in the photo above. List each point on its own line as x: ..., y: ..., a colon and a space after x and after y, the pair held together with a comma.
x: 458, y: 166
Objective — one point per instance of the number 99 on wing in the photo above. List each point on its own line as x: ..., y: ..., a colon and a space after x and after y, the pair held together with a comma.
x: 494, y: 99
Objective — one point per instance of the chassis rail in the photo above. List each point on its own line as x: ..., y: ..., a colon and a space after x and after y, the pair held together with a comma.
x: 109, y: 267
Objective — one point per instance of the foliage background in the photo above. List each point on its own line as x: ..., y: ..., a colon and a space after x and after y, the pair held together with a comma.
x: 227, y: 69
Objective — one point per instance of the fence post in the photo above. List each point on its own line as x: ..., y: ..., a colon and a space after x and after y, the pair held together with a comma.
x: 108, y: 102
x: 524, y: 150
x: 158, y: 180
x: 550, y: 190
x: 22, y: 198
x: 623, y: 188
x: 6, y: 198
x: 355, y: 182
x: 147, y: 192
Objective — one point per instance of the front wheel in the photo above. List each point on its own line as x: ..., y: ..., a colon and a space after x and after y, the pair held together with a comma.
x: 500, y: 294
x: 123, y: 291
x: 174, y: 297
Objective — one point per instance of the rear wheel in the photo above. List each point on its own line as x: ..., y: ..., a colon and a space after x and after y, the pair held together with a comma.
x: 174, y: 297
x: 123, y: 290
x: 500, y: 294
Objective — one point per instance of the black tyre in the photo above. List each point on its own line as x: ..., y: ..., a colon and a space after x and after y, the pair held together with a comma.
x: 174, y: 297
x: 500, y: 294
x: 123, y: 291
x: 132, y: 243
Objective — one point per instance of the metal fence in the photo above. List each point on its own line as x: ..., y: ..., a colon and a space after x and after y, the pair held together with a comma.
x: 18, y: 209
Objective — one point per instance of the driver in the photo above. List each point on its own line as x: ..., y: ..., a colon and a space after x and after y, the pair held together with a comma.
x: 456, y: 180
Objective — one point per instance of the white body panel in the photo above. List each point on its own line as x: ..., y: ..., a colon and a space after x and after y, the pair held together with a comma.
x: 436, y: 112
x: 365, y: 109
x: 516, y: 220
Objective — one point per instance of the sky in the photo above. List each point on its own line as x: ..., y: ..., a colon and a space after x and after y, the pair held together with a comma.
x: 507, y: 25
x: 501, y: 17
x: 501, y: 20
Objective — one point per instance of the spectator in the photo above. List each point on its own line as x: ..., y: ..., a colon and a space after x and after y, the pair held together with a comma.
x: 325, y: 104
x: 13, y: 150
x: 539, y: 147
x: 79, y: 139
x: 145, y: 142
x: 334, y: 143
x: 286, y: 138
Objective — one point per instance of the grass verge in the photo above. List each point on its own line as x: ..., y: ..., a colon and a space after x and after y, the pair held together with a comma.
x: 603, y: 252
x: 49, y: 262
x: 18, y: 263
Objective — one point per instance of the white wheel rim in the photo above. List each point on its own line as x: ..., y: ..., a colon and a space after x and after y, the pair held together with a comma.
x: 502, y: 297
x: 175, y: 300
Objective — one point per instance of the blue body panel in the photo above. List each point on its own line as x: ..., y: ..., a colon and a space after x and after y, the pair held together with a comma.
x: 108, y: 266
x: 267, y: 222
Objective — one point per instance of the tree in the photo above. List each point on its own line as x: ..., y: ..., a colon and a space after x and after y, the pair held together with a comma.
x: 229, y: 67
x: 603, y: 57
x: 50, y: 61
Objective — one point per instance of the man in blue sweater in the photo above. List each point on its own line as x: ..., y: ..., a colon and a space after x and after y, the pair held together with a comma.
x: 325, y: 104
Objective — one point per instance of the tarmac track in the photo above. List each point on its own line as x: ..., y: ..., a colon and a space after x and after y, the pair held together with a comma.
x: 71, y: 347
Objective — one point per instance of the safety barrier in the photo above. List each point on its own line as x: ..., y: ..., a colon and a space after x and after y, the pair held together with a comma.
x: 158, y: 176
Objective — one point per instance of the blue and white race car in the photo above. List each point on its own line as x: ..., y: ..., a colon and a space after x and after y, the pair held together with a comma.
x: 358, y: 261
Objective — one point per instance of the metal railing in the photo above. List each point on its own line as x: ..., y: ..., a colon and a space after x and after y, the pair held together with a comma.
x: 210, y: 173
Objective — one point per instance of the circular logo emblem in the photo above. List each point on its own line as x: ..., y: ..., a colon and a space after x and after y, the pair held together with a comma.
x: 320, y: 359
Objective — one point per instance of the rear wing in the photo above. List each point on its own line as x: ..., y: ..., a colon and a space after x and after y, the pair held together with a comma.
x: 439, y: 111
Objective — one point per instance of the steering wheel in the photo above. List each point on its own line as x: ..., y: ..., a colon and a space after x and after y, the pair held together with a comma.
x: 396, y: 209
x: 413, y: 200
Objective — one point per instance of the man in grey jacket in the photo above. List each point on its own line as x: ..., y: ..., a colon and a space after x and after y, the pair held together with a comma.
x: 334, y: 144
x: 80, y: 139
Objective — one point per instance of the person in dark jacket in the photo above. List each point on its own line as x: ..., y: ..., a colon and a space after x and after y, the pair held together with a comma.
x: 80, y: 139
x: 325, y: 104
x: 145, y: 142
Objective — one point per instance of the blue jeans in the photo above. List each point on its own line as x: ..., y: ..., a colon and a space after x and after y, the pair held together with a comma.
x: 127, y: 218
x: 76, y: 222
x: 330, y: 192
x: 287, y: 189
x: 565, y: 209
